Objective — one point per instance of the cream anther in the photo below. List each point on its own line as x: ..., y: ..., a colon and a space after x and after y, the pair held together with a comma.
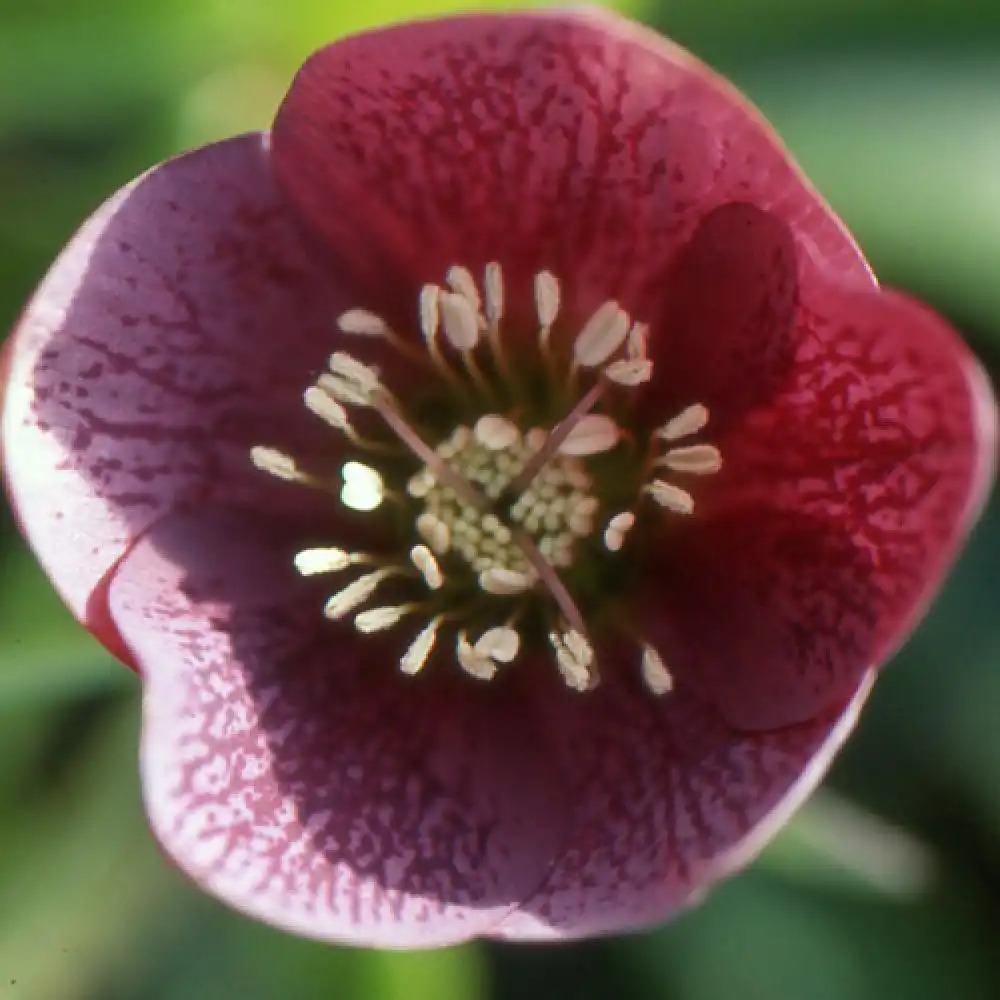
x: 364, y: 323
x: 355, y: 594
x: 502, y: 581
x: 461, y: 282
x: 657, y: 677
x: 310, y: 562
x: 630, y: 372
x: 416, y: 654
x: 363, y: 487
x: 378, y: 619
x: 496, y: 432
x: 701, y: 459
x: 546, y: 298
x: 670, y: 496
x: 591, y: 435
x: 493, y: 287
x: 602, y: 335
x: 618, y: 527
x: 459, y: 321
x: 688, y: 421
x: 424, y: 560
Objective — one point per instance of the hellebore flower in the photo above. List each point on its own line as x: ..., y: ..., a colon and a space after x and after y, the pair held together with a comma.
x: 505, y: 475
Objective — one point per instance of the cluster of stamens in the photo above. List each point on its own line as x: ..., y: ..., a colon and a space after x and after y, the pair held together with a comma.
x: 501, y: 514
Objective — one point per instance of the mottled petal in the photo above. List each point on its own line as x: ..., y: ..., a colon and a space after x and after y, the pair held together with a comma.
x: 289, y: 769
x: 567, y: 140
x: 840, y: 507
x: 178, y: 328
x: 669, y: 800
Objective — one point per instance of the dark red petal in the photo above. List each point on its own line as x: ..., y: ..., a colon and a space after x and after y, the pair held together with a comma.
x: 178, y: 328
x: 572, y: 140
x: 293, y: 772
x: 725, y: 337
x: 669, y: 800
x: 840, y: 507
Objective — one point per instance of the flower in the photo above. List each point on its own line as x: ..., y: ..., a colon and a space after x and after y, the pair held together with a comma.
x: 506, y: 476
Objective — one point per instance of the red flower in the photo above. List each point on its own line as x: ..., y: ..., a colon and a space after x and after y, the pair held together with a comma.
x: 642, y: 492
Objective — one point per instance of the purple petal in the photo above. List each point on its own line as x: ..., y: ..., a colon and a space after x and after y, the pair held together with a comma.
x: 290, y: 770
x: 669, y: 800
x: 178, y: 328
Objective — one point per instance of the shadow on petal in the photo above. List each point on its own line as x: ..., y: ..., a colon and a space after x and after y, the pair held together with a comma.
x: 291, y: 770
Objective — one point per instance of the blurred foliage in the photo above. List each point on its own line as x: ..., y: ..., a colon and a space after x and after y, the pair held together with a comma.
x: 887, y: 887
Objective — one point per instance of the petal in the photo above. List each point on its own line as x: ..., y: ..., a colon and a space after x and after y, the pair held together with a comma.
x: 669, y: 800
x: 178, y: 328
x: 292, y: 771
x: 840, y: 506
x: 568, y: 140
x: 725, y: 338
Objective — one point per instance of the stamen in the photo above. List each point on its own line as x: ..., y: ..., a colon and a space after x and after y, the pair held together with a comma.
x: 631, y: 372
x: 363, y: 377
x: 638, y: 337
x: 355, y: 594
x: 670, y: 496
x: 657, y: 677
x: 495, y: 645
x: 591, y: 435
x: 462, y: 283
x: 687, y: 422
x: 379, y: 619
x: 474, y: 663
x: 343, y: 390
x: 503, y: 582
x: 618, y: 527
x: 429, y: 315
x: 326, y: 408
x: 363, y: 322
x: 546, y: 302
x: 601, y: 335
x: 310, y: 562
x: 416, y: 655
x: 499, y: 643
x: 701, y: 459
x: 424, y: 560
x: 278, y: 464
x: 493, y: 286
x: 459, y: 321
x: 363, y: 488
x: 496, y: 432
x: 574, y: 657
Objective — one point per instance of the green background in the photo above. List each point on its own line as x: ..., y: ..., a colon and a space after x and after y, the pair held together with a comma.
x: 886, y: 886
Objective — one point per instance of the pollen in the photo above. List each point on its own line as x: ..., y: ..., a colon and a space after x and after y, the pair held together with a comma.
x: 511, y: 496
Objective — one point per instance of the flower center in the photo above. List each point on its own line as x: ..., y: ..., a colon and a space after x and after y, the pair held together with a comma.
x: 511, y: 514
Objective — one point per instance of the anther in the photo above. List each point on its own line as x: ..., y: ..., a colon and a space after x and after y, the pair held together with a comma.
x: 355, y: 594
x: 630, y: 372
x: 424, y: 560
x: 459, y: 321
x: 688, y: 421
x: 378, y: 619
x: 618, y: 527
x: 310, y: 562
x: 493, y: 287
x: 416, y: 654
x: 546, y: 301
x: 574, y: 657
x: 434, y: 531
x: 701, y: 459
x: 655, y: 674
x: 602, y: 335
x: 461, y: 282
x: 591, y: 435
x: 364, y: 323
x: 496, y: 432
x: 278, y: 464
x: 363, y: 488
x: 670, y: 496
